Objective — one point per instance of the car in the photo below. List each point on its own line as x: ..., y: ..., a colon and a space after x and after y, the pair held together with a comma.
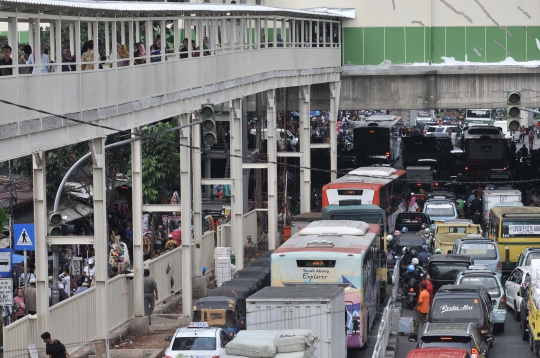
x: 463, y: 335
x: 528, y: 254
x: 524, y: 312
x: 444, y: 129
x: 197, y: 340
x: 438, y: 353
x: 463, y: 304
x: 520, y: 277
x: 440, y: 209
x: 483, y: 251
x: 444, y: 268
x: 488, y: 279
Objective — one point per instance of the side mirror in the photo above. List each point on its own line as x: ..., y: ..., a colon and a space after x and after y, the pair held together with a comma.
x: 490, y: 339
x: 504, y: 277
x: 494, y: 302
x: 169, y: 338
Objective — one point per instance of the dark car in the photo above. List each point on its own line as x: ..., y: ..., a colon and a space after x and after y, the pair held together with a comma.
x: 524, y: 309
x: 463, y: 304
x: 454, y: 335
x: 444, y: 269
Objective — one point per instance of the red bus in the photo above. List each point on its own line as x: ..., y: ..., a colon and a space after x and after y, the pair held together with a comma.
x: 381, y: 186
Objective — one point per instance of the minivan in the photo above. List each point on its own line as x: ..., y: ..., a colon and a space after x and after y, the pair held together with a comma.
x: 483, y: 251
x: 463, y: 303
x: 443, y: 269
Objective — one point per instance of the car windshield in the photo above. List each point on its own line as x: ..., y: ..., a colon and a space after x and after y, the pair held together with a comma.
x: 531, y: 256
x: 446, y: 342
x: 490, y: 283
x: 440, y: 210
x: 431, y: 129
x: 194, y: 344
x: 449, y: 309
x: 446, y: 270
x: 479, y: 251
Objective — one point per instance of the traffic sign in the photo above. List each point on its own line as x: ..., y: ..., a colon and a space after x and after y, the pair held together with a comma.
x: 24, y: 237
x: 6, y: 291
x: 5, y: 263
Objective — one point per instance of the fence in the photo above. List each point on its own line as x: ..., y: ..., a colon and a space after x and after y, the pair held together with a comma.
x: 167, y: 272
x: 19, y: 335
x: 119, y: 291
x: 224, y: 236
x: 386, y: 321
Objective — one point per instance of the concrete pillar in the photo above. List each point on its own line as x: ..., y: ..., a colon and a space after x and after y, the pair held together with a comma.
x: 237, y: 195
x: 185, y: 197
x: 272, y: 169
x: 197, y: 203
x: 334, y: 106
x: 97, y: 147
x: 305, y: 160
x: 40, y: 231
x: 140, y: 322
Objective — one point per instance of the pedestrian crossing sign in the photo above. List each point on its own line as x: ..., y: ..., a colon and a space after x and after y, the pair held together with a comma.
x: 24, y: 237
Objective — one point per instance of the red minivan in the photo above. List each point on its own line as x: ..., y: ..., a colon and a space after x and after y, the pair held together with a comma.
x: 438, y: 353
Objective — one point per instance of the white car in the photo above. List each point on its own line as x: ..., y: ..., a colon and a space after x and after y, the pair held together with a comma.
x: 444, y: 129
x: 198, y: 340
x: 518, y: 278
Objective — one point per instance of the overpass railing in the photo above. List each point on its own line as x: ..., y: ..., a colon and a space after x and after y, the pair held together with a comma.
x: 167, y: 272
x: 386, y: 319
x: 235, y: 49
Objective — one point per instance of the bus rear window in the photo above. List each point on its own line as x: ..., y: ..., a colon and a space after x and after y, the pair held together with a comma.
x: 456, y: 309
x: 525, y: 228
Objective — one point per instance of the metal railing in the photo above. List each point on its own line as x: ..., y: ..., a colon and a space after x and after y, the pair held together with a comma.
x: 19, y: 335
x: 74, y: 332
x: 384, y: 328
x: 167, y: 272
x: 224, y: 235
x: 119, y: 291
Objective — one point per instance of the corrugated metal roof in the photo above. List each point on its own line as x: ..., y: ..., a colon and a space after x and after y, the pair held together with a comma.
x: 174, y: 7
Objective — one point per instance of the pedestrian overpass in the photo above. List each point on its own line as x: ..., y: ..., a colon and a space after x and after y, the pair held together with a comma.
x: 250, y: 49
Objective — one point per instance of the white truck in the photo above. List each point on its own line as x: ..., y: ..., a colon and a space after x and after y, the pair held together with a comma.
x: 318, y: 307
x: 503, y: 197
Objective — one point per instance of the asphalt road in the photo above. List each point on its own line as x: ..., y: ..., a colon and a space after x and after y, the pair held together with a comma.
x: 507, y: 344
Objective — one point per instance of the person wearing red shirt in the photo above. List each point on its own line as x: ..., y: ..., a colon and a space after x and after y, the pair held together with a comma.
x: 429, y: 287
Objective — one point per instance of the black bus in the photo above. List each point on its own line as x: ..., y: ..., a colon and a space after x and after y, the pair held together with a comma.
x: 377, y: 140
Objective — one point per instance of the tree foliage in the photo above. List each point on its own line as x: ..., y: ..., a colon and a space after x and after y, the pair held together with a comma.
x: 4, y: 218
x: 160, y: 164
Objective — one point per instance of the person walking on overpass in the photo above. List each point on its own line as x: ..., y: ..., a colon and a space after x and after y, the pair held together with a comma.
x: 249, y: 250
x: 54, y: 348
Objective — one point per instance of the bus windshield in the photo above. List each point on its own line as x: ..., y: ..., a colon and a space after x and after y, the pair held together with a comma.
x: 521, y: 228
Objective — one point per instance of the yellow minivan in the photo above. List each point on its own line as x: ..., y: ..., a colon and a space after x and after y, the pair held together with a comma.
x: 447, y: 232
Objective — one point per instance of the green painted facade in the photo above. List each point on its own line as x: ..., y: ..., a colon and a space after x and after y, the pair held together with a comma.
x: 373, y: 45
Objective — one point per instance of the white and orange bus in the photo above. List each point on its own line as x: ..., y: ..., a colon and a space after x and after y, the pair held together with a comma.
x: 335, y: 251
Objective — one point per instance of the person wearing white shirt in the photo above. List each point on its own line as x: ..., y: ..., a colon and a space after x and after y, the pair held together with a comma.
x: 44, y: 61
x: 90, y: 270
x: 66, y: 281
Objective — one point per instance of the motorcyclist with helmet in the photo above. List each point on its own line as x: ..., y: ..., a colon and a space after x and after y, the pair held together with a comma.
x: 414, y: 271
x: 476, y: 205
x: 424, y: 256
x: 407, y: 256
x: 438, y: 251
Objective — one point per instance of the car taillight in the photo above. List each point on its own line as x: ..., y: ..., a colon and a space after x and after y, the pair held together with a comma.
x: 411, y: 289
x: 499, y: 266
x: 387, y: 154
x: 231, y: 334
x: 389, y: 266
x: 484, y: 330
x: 474, y: 353
x: 502, y: 303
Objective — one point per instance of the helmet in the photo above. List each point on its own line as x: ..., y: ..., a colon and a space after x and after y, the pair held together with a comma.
x: 424, y: 225
x: 427, y: 231
x: 411, y: 268
x: 389, y: 238
x: 404, y: 229
x: 405, y: 250
x: 415, y: 261
x: 397, y: 232
x: 438, y: 251
x: 424, y: 247
x: 414, y: 252
x: 464, y: 197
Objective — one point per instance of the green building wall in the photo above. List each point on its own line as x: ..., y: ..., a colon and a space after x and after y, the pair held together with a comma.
x: 373, y: 45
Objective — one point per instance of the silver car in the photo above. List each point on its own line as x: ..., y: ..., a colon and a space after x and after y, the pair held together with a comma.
x: 489, y: 280
x: 483, y: 251
x: 519, y: 277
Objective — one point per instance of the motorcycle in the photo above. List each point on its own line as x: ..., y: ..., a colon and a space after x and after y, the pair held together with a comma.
x: 409, y: 293
x: 477, y: 217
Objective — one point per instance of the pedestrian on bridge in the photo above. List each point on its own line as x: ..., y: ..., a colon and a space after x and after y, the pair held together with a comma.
x: 150, y: 287
x: 249, y: 250
x: 54, y: 348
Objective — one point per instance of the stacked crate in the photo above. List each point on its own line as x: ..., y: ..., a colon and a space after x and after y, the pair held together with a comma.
x: 223, y: 272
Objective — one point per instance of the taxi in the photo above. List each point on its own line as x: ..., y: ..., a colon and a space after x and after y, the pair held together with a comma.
x: 198, y: 340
